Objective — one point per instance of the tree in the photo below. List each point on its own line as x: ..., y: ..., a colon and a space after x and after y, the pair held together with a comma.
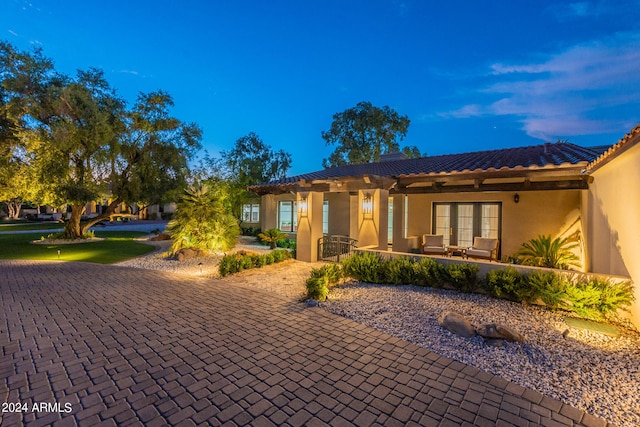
x: 250, y: 162
x: 84, y: 142
x: 363, y: 133
x: 203, y: 219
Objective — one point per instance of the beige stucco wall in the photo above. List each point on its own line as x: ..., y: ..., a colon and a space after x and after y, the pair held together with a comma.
x: 339, y: 213
x: 613, y: 220
x: 536, y: 213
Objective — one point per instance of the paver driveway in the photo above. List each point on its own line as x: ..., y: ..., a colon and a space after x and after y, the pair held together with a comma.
x: 118, y: 346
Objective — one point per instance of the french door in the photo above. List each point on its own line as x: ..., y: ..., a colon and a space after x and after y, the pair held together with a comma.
x: 459, y: 223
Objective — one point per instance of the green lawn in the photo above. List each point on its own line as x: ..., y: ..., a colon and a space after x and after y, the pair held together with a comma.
x: 118, y: 247
x: 4, y: 226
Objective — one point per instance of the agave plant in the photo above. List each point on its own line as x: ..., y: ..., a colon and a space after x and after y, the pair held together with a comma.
x: 544, y: 252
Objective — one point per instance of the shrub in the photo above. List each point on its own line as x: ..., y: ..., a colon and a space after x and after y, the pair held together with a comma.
x: 235, y: 263
x: 364, y: 266
x: 322, y: 279
x: 509, y: 284
x: 549, y: 287
x: 280, y: 255
x: 544, y: 252
x: 598, y: 298
x: 463, y: 277
x: 427, y: 272
x: 399, y: 271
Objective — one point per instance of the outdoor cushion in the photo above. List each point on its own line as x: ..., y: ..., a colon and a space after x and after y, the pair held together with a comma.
x: 433, y: 240
x: 484, y: 244
x: 433, y: 244
x: 483, y: 247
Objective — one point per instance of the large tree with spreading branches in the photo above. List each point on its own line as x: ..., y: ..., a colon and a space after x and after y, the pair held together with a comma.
x: 85, y: 144
x: 365, y: 132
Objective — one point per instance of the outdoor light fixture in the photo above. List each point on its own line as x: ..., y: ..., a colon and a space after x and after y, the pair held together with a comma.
x: 303, y: 206
x: 516, y: 198
x: 367, y: 206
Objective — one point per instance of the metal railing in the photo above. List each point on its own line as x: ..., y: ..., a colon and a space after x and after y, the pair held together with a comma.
x: 333, y: 248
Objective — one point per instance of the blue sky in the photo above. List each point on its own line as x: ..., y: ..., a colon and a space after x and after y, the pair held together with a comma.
x: 471, y: 75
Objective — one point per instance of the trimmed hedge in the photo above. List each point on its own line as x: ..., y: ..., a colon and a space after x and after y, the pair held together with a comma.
x: 239, y: 261
x: 590, y: 298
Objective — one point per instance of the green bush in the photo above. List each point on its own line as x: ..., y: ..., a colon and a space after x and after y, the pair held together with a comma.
x: 549, y: 287
x: 365, y: 266
x: 317, y: 288
x: 399, y: 271
x: 280, y: 255
x: 508, y: 284
x: 428, y: 272
x: 237, y: 262
x: 322, y: 279
x: 463, y: 277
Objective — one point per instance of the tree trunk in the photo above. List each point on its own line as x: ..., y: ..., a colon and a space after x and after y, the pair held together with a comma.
x: 72, y: 229
x: 105, y: 215
x: 14, y: 206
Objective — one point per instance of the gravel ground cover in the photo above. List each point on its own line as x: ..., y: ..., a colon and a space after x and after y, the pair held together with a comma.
x: 588, y: 370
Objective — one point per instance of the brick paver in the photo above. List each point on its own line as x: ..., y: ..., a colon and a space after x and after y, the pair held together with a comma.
x: 117, y: 346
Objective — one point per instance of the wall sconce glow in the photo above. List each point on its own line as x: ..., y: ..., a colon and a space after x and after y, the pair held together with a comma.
x: 516, y: 198
x: 367, y: 206
x: 303, y: 206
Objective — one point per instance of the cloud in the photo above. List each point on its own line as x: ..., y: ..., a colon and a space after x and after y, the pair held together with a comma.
x: 132, y: 72
x: 560, y: 94
x: 13, y: 33
x: 564, y: 11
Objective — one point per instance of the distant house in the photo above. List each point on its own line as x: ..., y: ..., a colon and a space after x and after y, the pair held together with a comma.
x: 516, y: 194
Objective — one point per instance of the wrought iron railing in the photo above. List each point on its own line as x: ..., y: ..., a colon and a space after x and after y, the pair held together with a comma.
x: 335, y: 247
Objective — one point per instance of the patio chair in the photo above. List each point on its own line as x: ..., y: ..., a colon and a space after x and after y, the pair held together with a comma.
x: 433, y: 244
x: 483, y: 248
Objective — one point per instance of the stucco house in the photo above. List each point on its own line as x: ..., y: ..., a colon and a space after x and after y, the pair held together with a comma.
x: 514, y: 194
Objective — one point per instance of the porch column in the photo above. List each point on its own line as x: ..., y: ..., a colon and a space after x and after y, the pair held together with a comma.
x: 400, y: 243
x: 373, y: 216
x: 309, y: 225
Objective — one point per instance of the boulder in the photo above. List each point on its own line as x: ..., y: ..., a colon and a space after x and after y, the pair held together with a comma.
x: 499, y: 332
x: 456, y: 323
x: 188, y: 253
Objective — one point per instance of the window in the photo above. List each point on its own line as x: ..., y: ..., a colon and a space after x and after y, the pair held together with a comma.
x: 251, y: 212
x: 459, y: 223
x: 287, y: 217
x: 325, y: 217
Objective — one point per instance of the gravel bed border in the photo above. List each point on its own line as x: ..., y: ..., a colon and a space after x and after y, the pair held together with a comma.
x: 590, y: 371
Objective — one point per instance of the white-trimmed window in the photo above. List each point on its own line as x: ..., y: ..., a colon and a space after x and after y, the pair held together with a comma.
x: 288, y: 216
x: 460, y: 222
x: 251, y: 212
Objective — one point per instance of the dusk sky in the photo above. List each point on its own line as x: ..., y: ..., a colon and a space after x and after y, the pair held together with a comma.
x: 471, y: 75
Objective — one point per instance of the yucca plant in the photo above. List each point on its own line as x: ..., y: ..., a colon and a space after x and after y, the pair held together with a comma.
x: 203, y: 220
x: 544, y: 252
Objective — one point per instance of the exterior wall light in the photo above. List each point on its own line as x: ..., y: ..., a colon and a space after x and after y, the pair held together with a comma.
x: 367, y: 206
x: 303, y: 206
x: 516, y: 198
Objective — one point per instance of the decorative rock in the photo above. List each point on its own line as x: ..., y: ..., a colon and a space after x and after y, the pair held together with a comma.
x: 500, y: 332
x: 457, y: 324
x: 188, y: 253
x: 311, y: 303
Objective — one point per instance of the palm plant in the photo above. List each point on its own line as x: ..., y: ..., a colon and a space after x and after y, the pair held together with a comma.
x: 271, y: 236
x: 544, y: 252
x: 203, y: 220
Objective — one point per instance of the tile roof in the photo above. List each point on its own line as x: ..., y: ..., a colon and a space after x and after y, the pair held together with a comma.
x: 627, y: 141
x: 532, y: 157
